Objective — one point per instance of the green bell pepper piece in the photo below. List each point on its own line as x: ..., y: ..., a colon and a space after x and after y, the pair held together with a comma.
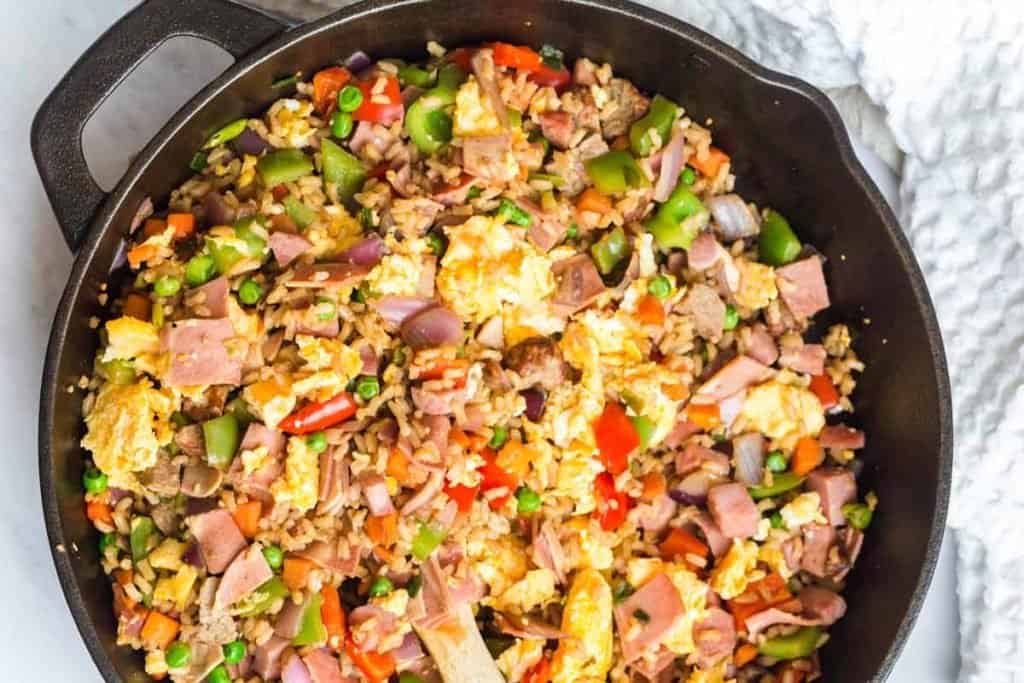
x: 283, y: 166
x: 795, y: 646
x: 427, y: 121
x: 660, y: 117
x: 787, y: 481
x: 411, y: 74
x: 240, y: 409
x: 257, y: 246
x: 615, y: 171
x: 858, y: 515
x: 343, y: 169
x: 679, y: 219
x: 221, y: 436
x: 119, y: 371
x: 263, y: 598
x: 300, y: 214
x: 610, y: 250
x: 311, y: 626
x: 426, y: 540
x: 224, y: 255
x: 644, y: 427
x: 142, y: 529
x: 777, y: 244
x: 226, y: 134
x: 509, y: 212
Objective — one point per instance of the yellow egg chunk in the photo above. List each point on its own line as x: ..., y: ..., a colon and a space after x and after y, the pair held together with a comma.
x: 299, y: 484
x: 176, y: 589
x: 782, y: 412
x: 129, y: 337
x: 533, y: 590
x: 270, y: 400
x: 399, y: 271
x: 586, y: 655
x: 474, y: 115
x: 736, y: 570
x: 804, y: 509
x: 127, y: 425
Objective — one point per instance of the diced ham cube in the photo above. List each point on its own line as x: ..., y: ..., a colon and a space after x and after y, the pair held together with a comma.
x: 802, y: 286
x: 809, y: 359
x: 584, y: 72
x: 717, y: 541
x: 267, y: 657
x: 378, y: 500
x: 824, y: 606
x: 209, y: 300
x: 579, y: 283
x: 198, y: 354
x: 841, y: 436
x: 733, y: 510
x: 738, y: 374
x: 328, y: 275
x: 704, y: 252
x: 219, y: 538
x: 485, y: 157
x: 323, y: 666
x: 818, y: 538
x: 287, y: 247
x: 695, y: 456
x: 706, y: 308
x: 558, y: 127
x: 762, y: 347
x: 714, y: 636
x: 836, y: 487
x: 659, y: 600
x: 247, y: 572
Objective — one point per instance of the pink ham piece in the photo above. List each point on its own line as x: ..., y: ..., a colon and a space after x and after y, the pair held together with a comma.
x: 717, y: 541
x: 809, y: 359
x: 672, y: 158
x: 738, y: 374
x: 219, y: 538
x: 773, y: 617
x: 818, y: 538
x: 334, y: 488
x: 836, y: 487
x: 682, y: 431
x: 246, y: 573
x: 323, y: 666
x: 436, y: 402
x: 426, y: 493
x: 802, y: 286
x: 714, y: 636
x: 209, y: 300
x: 547, y: 551
x: 695, y: 457
x: 295, y: 671
x: 289, y: 619
x: 433, y: 606
x: 733, y: 510
x: 546, y: 232
x: 484, y: 157
x: 397, y: 309
x: 455, y: 193
x: 841, y: 436
x: 328, y: 275
x: 257, y: 484
x: 821, y: 604
x: 583, y: 72
x: 707, y: 309
x: 198, y: 355
x: 653, y: 517
x: 704, y: 252
x: 579, y: 283
x: 378, y: 500
x: 287, y: 247
x: 328, y: 556
x: 266, y: 659
x: 762, y: 345
x: 438, y: 428
x: 558, y: 127
x: 653, y: 666
x: 660, y: 600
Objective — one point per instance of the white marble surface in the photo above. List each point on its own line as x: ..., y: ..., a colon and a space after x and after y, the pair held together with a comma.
x: 41, y: 41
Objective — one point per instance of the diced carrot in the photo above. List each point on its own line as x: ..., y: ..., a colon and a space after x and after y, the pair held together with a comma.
x: 707, y: 416
x: 375, y: 666
x: 247, y: 517
x: 140, y: 254
x: 462, y: 56
x: 826, y: 392
x: 383, y: 530
x: 154, y: 226
x: 159, y: 630
x: 184, y: 224
x: 137, y: 306
x: 680, y: 543
x: 744, y: 655
x: 515, y: 457
x: 98, y: 512
x: 649, y: 310
x: 711, y: 164
x: 383, y: 555
x: 770, y: 591
x: 592, y: 200
x: 807, y: 455
x: 326, y: 85
x: 333, y: 617
x: 462, y: 495
x: 469, y: 442
x: 676, y: 392
x: 296, y: 572
x: 440, y: 367
x: 398, y: 465
x: 516, y: 56
x: 123, y: 576
x: 539, y: 673
x: 654, y: 486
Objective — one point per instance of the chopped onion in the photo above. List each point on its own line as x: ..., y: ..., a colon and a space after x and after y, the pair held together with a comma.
x: 671, y: 164
x: 250, y: 142
x: 748, y: 453
x: 357, y: 61
x: 217, y: 210
x: 535, y: 401
x: 435, y: 326
x: 733, y: 218
x: 367, y: 252
x: 397, y: 309
x: 295, y: 671
x: 693, y: 489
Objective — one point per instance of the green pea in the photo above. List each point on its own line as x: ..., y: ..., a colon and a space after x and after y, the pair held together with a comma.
x: 776, y: 521
x: 858, y: 515
x: 234, y: 652
x: 644, y: 427
x: 219, y: 675
x: 367, y: 387
x: 250, y: 292
x: 107, y: 541
x: 528, y: 499
x: 198, y: 162
x: 660, y: 287
x: 688, y: 176
x: 167, y: 286
x: 381, y: 586
x: 732, y: 317
x: 317, y: 442
x: 178, y: 655
x: 776, y: 461
x: 200, y: 269
x: 350, y: 98
x: 499, y: 437
x: 226, y: 134
x: 274, y: 557
x: 341, y: 124
x: 94, y: 481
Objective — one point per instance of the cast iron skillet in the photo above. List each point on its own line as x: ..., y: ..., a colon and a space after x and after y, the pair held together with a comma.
x: 790, y: 151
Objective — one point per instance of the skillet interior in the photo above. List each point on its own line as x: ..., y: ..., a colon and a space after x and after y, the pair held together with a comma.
x: 789, y: 151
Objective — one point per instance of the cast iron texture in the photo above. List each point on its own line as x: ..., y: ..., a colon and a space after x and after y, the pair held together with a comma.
x: 790, y: 151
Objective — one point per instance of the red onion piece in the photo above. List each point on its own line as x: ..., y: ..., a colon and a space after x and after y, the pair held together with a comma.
x: 409, y: 95
x: 357, y: 61
x: 117, y: 494
x: 197, y: 506
x: 250, y: 142
x: 435, y: 326
x: 695, y: 486
x: 733, y: 218
x: 535, y: 402
x: 433, y: 486
x: 368, y: 252
x: 216, y: 209
x: 295, y: 671
x: 748, y: 452
x: 410, y: 649
x: 398, y: 309
x: 144, y: 211
x: 670, y: 165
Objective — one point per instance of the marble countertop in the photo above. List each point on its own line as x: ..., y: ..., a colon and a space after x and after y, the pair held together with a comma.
x: 35, y: 626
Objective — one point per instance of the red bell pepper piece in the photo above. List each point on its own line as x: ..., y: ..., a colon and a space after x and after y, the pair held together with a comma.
x: 320, y: 415
x: 616, y: 438
x: 540, y: 673
x: 826, y: 392
x: 380, y: 112
x: 462, y: 495
x: 612, y: 505
x: 516, y: 56
x: 544, y: 75
x: 375, y: 666
x: 493, y: 475
x: 462, y: 56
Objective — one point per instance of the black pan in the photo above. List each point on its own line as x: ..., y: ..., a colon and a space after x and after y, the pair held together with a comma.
x: 790, y: 150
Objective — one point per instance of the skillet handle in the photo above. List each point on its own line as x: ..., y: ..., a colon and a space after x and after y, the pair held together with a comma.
x: 57, y: 128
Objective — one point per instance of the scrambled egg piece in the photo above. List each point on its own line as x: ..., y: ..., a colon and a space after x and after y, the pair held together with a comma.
x: 301, y: 479
x: 474, y: 115
x: 246, y: 325
x: 127, y: 425
x: 781, y: 411
x: 715, y: 675
x: 396, y: 602
x: 524, y: 322
x: 398, y: 273
x: 176, y: 589
x: 646, y: 384
x: 254, y: 459
x: 757, y: 284
x: 338, y: 231
x: 803, y: 509
x: 321, y: 353
x: 129, y: 337
x: 498, y: 562
x: 589, y: 547
x: 770, y: 552
x: 575, y: 477
x: 620, y: 340
x: 692, y: 591
x: 270, y: 400
x: 167, y: 555
x: 586, y: 655
x: 514, y: 662
x: 487, y: 265
x: 533, y: 590
x: 737, y: 569
x: 248, y: 171
x: 289, y: 119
